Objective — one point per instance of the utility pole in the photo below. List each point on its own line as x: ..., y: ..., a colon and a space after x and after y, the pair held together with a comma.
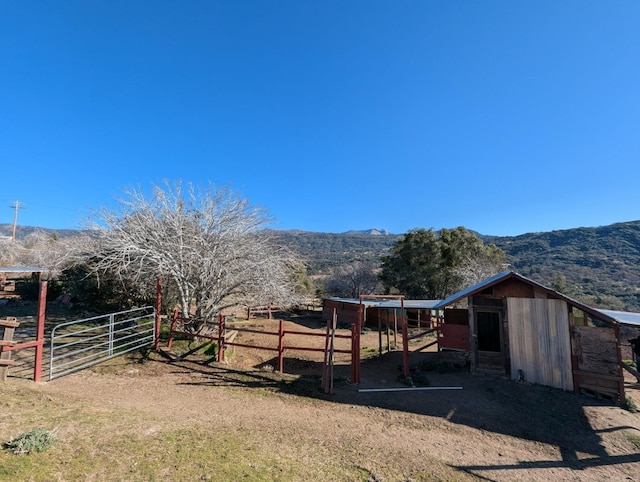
x: 15, y: 206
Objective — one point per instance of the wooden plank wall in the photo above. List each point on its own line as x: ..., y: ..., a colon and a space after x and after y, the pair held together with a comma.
x: 539, y: 340
x: 597, y: 363
x: 596, y: 350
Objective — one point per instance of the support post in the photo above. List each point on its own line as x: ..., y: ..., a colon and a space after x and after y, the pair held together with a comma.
x: 395, y: 328
x: 388, y: 338
x: 42, y: 306
x: 473, y: 338
x: 281, y: 346
x: 354, y: 358
x: 174, y: 319
x: 405, y: 341
x: 379, y: 333
x: 325, y: 364
x: 222, y: 330
x: 156, y: 343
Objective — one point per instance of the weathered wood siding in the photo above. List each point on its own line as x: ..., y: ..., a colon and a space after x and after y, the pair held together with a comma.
x: 539, y: 340
x: 598, y: 370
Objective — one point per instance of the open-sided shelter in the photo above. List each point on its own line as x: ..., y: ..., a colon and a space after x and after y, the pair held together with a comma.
x: 378, y: 310
x: 511, y: 325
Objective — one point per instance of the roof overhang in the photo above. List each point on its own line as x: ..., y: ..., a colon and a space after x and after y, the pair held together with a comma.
x: 505, y: 275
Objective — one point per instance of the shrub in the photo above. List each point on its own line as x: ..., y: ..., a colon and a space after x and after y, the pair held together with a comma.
x: 37, y: 440
x: 630, y: 405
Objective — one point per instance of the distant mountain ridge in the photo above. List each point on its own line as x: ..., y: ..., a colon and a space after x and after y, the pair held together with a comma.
x: 371, y: 232
x: 597, y: 265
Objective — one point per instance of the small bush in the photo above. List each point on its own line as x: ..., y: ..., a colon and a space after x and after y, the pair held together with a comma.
x: 37, y: 440
x: 630, y: 405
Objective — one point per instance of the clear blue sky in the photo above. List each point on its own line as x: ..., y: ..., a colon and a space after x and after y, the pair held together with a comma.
x: 505, y: 117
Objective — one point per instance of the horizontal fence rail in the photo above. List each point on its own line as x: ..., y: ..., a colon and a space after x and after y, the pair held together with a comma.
x: 216, y: 331
x: 83, y: 343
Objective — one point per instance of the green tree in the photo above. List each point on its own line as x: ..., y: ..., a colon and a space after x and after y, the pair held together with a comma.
x: 412, y: 266
x: 426, y: 264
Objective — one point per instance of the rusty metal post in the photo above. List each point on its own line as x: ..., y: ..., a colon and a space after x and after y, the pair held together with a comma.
x: 156, y: 343
x: 42, y: 306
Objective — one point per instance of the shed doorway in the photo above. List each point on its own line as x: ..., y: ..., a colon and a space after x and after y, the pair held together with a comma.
x: 488, y: 329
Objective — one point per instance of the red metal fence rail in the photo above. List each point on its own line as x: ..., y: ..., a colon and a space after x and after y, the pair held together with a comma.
x: 220, y: 327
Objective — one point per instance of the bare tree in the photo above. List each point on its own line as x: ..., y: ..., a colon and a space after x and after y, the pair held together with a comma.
x: 352, y: 280
x: 42, y: 250
x: 206, y: 241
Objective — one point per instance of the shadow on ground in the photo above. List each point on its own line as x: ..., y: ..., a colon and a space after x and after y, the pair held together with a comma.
x: 487, y: 403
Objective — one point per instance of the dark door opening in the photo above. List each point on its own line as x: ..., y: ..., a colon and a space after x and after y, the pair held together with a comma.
x: 488, y: 330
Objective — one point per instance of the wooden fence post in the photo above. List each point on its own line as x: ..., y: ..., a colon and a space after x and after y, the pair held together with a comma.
x: 42, y: 306
x: 281, y: 346
x: 174, y: 320
x: 221, y: 333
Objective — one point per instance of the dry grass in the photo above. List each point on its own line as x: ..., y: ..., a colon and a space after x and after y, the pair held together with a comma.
x: 103, y: 441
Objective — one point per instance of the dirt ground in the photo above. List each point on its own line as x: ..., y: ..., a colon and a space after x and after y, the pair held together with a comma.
x: 487, y: 428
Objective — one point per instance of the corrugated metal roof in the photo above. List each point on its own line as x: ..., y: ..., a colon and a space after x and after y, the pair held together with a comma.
x: 474, y: 288
x: 410, y: 304
x: 482, y: 285
x: 21, y: 269
x: 623, y: 317
x: 392, y: 303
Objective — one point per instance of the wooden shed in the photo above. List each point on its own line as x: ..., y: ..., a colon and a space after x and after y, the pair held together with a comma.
x: 513, y: 326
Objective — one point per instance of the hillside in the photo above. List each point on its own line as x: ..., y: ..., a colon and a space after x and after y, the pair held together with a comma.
x: 599, y: 266
x: 322, y: 251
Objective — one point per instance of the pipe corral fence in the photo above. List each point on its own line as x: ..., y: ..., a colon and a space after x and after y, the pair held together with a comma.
x: 83, y: 343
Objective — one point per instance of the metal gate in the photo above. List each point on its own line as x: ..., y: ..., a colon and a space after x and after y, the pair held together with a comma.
x: 80, y: 344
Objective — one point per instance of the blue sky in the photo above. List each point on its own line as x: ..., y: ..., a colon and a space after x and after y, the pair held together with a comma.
x: 504, y: 117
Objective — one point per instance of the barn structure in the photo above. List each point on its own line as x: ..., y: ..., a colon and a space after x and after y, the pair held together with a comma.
x: 513, y: 326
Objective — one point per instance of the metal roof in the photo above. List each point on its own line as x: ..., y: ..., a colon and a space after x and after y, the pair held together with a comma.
x: 410, y: 304
x: 623, y: 317
x: 21, y: 269
x: 392, y: 303
x: 474, y: 288
x: 482, y: 285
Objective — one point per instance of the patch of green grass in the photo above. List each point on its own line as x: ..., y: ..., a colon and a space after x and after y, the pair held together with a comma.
x: 634, y: 439
x: 37, y: 440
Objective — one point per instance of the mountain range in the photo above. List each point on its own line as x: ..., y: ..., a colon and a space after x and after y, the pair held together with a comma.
x: 597, y: 265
